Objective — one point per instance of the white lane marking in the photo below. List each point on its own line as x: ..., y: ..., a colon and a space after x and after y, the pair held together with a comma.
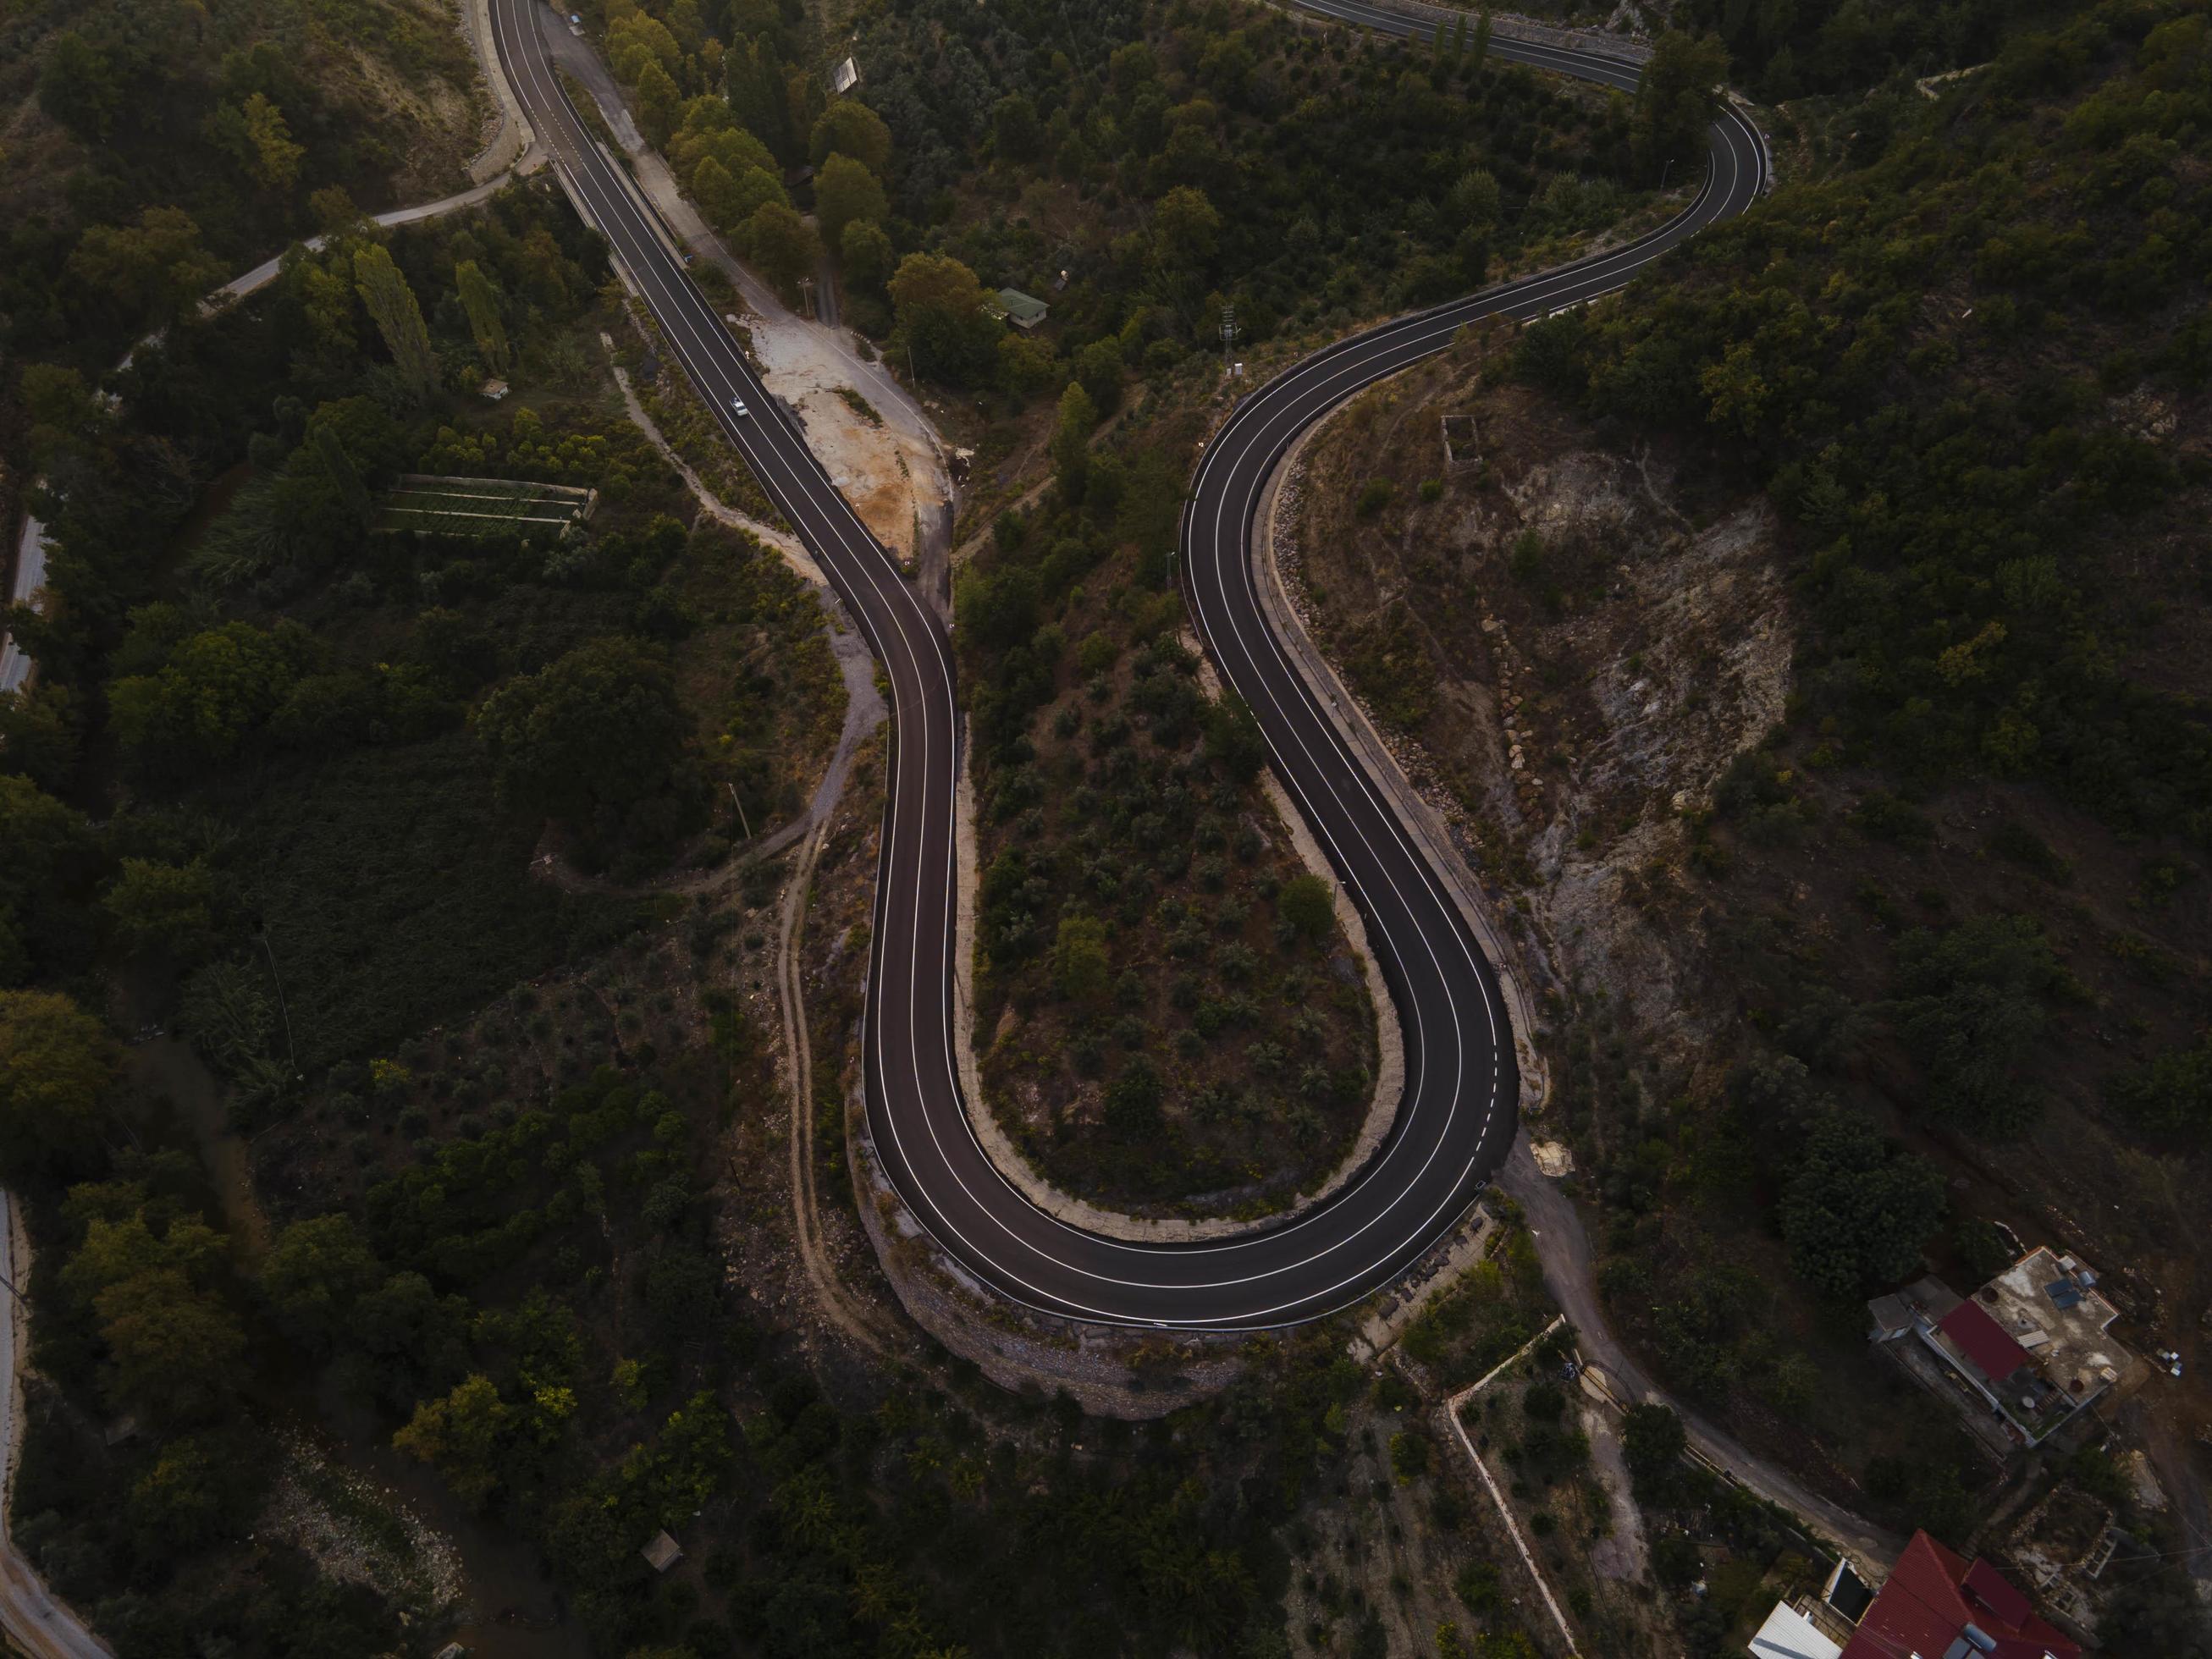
x: 872, y: 572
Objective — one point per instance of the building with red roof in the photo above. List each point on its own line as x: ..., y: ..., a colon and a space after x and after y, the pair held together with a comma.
x: 1982, y: 1340
x: 1937, y: 1605
x: 2034, y: 1345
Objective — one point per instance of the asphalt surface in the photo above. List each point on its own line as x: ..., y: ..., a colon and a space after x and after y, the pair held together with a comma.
x: 1459, y: 1115
x: 32, y: 1620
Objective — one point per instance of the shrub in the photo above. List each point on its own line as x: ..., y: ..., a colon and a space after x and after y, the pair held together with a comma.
x: 1409, y: 1454
x: 1527, y: 560
x: 1970, y: 1009
x: 1308, y: 905
x: 1857, y: 1207
x: 1543, y: 1401
x: 1078, y: 958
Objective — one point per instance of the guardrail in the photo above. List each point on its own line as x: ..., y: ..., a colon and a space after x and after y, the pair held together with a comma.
x: 1514, y: 26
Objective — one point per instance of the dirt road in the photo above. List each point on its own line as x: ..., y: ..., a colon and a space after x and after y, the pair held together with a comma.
x: 1563, y: 1250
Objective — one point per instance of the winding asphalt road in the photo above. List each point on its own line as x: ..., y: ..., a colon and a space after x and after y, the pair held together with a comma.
x: 1458, y: 1116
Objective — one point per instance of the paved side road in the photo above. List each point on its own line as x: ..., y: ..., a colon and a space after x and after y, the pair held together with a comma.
x: 15, y: 666
x: 34, y: 1622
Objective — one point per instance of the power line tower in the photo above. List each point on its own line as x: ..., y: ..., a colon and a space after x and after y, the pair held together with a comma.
x: 1228, y: 337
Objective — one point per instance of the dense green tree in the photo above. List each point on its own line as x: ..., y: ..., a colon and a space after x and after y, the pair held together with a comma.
x: 465, y: 1436
x: 256, y: 137
x: 398, y: 318
x: 845, y: 194
x: 597, y: 740
x: 339, y: 472
x: 217, y: 689
x: 41, y: 733
x: 1307, y: 903
x: 1016, y: 134
x: 1233, y: 741
x: 174, y: 1350
x: 940, y: 309
x: 2156, y: 1611
x: 168, y: 908
x: 716, y: 192
x: 2170, y: 1094
x: 1652, y: 1443
x: 866, y: 251
x: 783, y: 245
x: 660, y: 104
x: 640, y: 41
x: 849, y: 127
x: 1969, y: 1006
x: 315, y: 1273
x: 57, y: 1067
x: 1186, y: 230
x: 1098, y: 369
x: 998, y: 609
x: 199, y: 1489
x: 1676, y: 101
x: 1078, y: 958
x: 1027, y: 366
x: 50, y: 855
x: 78, y: 87
x: 149, y: 272
x: 173, y: 1344
x: 1133, y: 1101
x: 1071, y: 441
x: 760, y: 95
x: 480, y: 298
x: 1474, y: 201
x: 711, y: 128
x: 414, y: 1340
x: 1856, y: 1208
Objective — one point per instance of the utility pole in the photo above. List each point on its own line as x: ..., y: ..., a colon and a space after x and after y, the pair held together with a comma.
x: 807, y: 293
x: 278, y: 979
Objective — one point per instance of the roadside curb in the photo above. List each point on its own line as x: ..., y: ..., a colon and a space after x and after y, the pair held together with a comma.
x: 1352, y: 723
x: 513, y: 138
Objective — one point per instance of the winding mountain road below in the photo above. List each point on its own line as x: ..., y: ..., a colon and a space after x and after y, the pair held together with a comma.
x: 1458, y: 1116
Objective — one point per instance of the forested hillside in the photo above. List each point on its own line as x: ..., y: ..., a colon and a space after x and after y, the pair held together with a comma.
x: 1171, y: 158
x: 1971, y: 376
x: 155, y: 148
x: 1906, y: 469
x: 403, y: 1007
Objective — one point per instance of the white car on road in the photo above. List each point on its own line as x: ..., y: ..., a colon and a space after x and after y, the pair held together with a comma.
x: 738, y: 404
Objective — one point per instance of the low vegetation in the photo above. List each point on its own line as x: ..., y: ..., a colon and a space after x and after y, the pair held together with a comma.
x: 1836, y: 585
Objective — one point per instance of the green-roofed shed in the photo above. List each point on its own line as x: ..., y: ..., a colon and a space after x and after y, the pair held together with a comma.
x: 1023, y: 311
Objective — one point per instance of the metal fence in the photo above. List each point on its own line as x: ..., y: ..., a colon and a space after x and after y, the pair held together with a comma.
x: 1513, y: 28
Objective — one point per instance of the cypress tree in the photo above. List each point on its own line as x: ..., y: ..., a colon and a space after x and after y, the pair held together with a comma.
x: 481, y: 300
x: 760, y: 96
x: 339, y: 466
x: 398, y: 318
